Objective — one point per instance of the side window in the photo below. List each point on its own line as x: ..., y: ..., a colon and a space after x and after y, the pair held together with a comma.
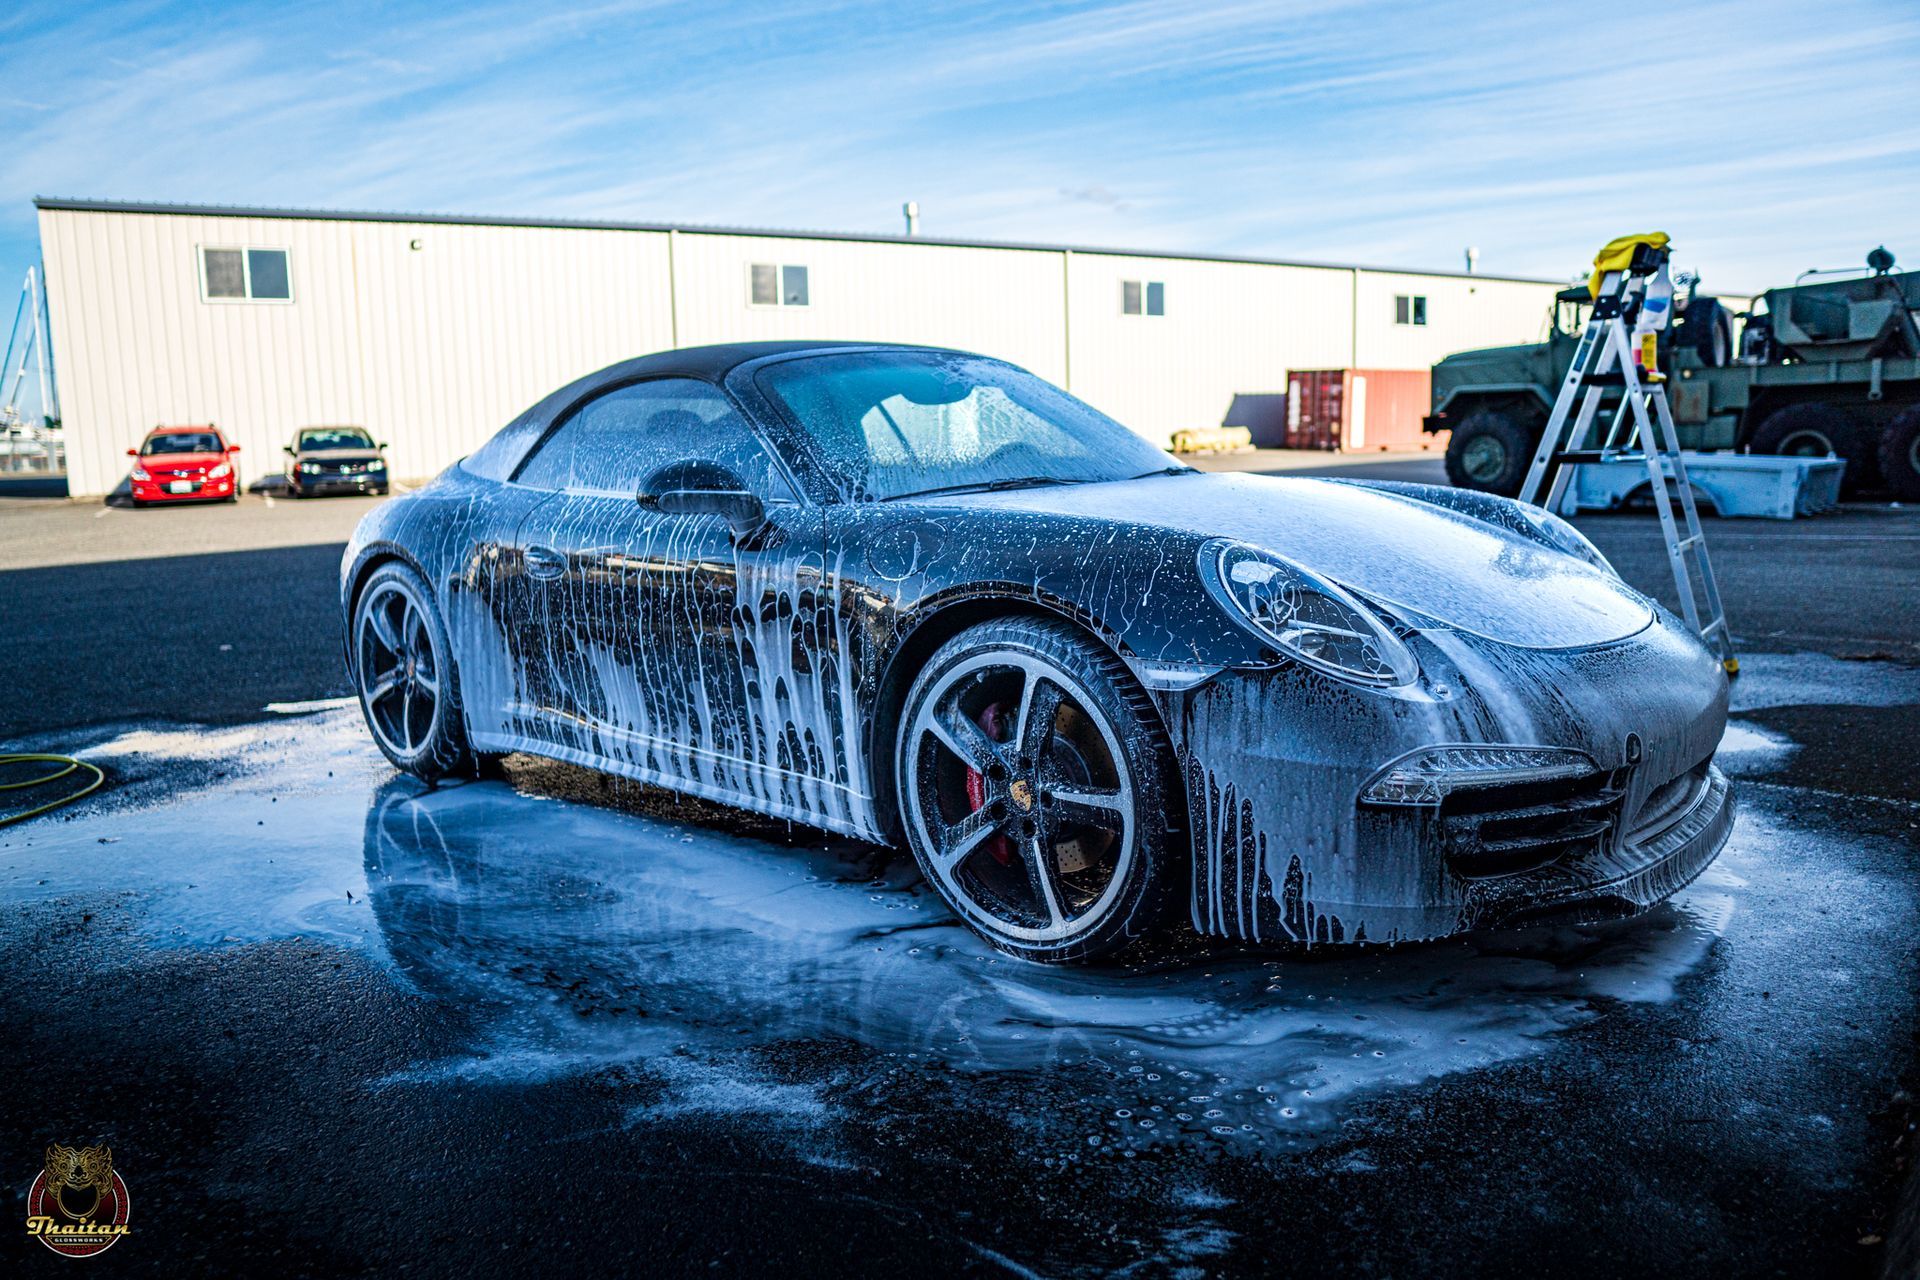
x: 770, y: 284
x: 258, y: 275
x: 612, y: 443
x: 1143, y: 297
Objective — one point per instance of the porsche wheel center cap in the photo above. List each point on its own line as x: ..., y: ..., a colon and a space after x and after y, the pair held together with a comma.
x: 1022, y: 793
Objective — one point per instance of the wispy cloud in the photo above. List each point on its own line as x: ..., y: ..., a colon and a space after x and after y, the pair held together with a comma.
x: 1766, y: 136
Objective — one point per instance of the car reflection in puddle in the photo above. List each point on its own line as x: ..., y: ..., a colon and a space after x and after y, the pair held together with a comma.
x: 584, y: 937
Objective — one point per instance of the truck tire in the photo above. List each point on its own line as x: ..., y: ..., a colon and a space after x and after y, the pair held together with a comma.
x: 1900, y: 454
x: 1717, y: 351
x: 1815, y: 430
x: 1708, y: 329
x: 1491, y: 452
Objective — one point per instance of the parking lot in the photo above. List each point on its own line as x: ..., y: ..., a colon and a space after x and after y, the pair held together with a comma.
x: 553, y: 1023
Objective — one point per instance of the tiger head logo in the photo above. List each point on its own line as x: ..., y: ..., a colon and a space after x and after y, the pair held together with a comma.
x: 77, y: 1179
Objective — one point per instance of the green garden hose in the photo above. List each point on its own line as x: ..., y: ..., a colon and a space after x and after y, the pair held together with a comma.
x: 70, y: 766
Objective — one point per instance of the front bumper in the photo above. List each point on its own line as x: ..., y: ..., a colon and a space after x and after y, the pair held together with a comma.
x: 1283, y: 850
x: 200, y: 491
x: 359, y: 482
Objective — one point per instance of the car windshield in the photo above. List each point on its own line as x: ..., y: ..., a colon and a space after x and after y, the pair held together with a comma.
x: 334, y: 438
x: 182, y: 442
x: 894, y: 423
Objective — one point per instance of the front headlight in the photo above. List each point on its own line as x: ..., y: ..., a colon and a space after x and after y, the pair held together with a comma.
x: 1305, y: 616
x: 221, y: 472
x: 140, y: 473
x: 310, y: 468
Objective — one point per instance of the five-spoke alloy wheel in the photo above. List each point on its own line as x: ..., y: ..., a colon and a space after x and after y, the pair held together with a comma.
x: 1033, y: 779
x: 402, y: 665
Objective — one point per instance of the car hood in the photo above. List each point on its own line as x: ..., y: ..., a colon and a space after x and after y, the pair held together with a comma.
x: 180, y: 461
x: 1421, y: 561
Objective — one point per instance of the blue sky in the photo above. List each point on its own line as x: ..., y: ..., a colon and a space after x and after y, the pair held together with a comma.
x: 1766, y: 137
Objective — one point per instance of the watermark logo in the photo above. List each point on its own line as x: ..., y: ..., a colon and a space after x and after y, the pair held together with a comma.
x: 78, y: 1204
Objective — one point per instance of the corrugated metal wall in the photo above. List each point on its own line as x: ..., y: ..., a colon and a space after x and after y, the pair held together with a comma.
x: 1000, y: 302
x: 435, y: 346
x: 1462, y: 312
x: 1228, y: 328
x: 432, y: 348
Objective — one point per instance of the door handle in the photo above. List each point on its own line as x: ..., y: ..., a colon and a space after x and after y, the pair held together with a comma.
x: 545, y: 564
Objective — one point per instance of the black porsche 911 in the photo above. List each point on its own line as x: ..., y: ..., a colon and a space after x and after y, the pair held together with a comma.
x: 918, y: 595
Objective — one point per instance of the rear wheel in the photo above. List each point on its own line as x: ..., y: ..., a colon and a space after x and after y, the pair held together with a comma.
x: 1490, y: 451
x: 1034, y: 784
x: 403, y: 666
x: 1817, y: 430
x: 1900, y: 454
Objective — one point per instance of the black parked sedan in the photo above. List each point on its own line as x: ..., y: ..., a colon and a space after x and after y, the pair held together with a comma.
x: 335, y: 460
x: 923, y: 596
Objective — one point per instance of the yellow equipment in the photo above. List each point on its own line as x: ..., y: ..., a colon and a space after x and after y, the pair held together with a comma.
x: 1647, y: 249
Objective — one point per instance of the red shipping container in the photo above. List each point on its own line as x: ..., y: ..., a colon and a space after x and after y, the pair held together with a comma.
x: 1359, y: 410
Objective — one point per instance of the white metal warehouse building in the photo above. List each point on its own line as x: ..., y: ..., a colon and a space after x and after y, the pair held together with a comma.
x: 434, y: 331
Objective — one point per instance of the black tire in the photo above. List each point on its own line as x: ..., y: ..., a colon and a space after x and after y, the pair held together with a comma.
x: 1900, y: 455
x: 403, y: 671
x: 1058, y: 842
x: 1708, y: 329
x: 1717, y: 352
x: 1814, y: 430
x: 1491, y: 451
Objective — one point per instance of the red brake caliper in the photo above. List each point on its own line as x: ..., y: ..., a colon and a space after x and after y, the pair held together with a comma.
x: 977, y: 786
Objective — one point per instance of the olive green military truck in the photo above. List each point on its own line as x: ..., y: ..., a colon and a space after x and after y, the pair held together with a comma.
x: 1827, y: 367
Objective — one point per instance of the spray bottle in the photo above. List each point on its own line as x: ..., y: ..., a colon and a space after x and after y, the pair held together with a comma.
x: 1656, y: 309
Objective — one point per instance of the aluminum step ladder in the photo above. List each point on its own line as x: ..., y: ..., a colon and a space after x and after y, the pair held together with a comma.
x: 1641, y: 428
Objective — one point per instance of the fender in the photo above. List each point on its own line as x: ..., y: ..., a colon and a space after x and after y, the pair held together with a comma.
x: 1479, y: 390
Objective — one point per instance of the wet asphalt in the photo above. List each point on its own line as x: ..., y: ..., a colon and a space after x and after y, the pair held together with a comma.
x: 553, y: 1024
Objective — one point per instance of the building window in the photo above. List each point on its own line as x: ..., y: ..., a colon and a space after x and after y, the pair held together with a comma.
x: 772, y: 285
x: 1143, y: 298
x: 245, y: 275
x: 1410, y: 308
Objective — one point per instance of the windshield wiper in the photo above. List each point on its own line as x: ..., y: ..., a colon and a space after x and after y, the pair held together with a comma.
x: 1177, y: 469
x: 985, y: 486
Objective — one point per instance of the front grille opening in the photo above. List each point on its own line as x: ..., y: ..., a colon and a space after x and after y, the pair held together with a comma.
x: 1514, y: 828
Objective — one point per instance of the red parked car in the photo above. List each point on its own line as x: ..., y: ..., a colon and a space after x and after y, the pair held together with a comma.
x: 184, y: 464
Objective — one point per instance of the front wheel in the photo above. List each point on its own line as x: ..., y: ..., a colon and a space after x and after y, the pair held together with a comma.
x: 1900, y: 454
x: 1490, y: 451
x: 1035, y: 785
x: 403, y: 668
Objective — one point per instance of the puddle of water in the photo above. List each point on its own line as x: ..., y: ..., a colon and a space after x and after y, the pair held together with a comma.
x: 1809, y: 679
x: 1747, y: 749
x: 586, y: 938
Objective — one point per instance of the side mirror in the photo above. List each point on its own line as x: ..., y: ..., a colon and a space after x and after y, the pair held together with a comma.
x: 233, y: 448
x: 381, y: 445
x: 133, y: 453
x: 288, y: 450
x: 702, y: 489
